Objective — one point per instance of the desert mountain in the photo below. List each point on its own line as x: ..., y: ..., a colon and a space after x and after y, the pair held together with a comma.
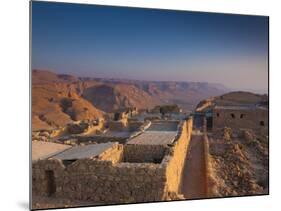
x: 184, y: 94
x: 58, y: 99
x: 110, y: 97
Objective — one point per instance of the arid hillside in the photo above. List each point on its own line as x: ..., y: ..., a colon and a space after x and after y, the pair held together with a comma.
x: 110, y: 97
x: 185, y: 94
x: 239, y: 163
x: 233, y: 98
x: 58, y: 99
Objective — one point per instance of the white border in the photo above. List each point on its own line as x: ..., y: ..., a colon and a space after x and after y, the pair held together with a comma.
x: 14, y: 48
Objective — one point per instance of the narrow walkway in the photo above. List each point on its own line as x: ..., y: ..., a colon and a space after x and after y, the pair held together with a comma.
x: 194, y: 175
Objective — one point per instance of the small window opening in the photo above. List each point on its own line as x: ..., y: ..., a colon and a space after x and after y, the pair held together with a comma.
x: 233, y: 116
x: 241, y: 116
x: 261, y: 123
x: 218, y: 115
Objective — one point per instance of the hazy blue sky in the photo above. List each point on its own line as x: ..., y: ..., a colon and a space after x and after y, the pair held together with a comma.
x: 96, y: 41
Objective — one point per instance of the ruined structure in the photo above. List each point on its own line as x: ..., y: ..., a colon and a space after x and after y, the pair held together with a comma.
x: 166, y: 109
x: 120, y: 118
x: 147, y: 168
x: 240, y: 116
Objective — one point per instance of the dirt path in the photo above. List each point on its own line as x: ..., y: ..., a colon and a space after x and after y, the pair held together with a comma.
x: 194, y: 175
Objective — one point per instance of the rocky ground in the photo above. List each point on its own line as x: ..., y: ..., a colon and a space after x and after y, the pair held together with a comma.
x: 239, y: 163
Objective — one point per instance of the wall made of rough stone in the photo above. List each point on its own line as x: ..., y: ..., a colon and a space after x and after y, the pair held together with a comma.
x: 39, y: 181
x: 118, y: 125
x: 175, y: 161
x: 251, y: 118
x: 113, y: 154
x: 138, y: 153
x: 109, y: 179
x: 102, y: 181
x: 100, y: 139
x: 208, y: 167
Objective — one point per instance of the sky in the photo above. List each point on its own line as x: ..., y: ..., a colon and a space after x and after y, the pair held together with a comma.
x: 150, y: 44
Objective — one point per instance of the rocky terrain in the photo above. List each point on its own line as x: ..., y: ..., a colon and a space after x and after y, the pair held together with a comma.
x: 239, y: 161
x: 233, y: 98
x: 110, y: 97
x: 58, y: 99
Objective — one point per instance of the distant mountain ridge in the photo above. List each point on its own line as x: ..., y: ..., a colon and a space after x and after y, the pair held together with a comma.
x: 185, y: 94
x: 58, y: 99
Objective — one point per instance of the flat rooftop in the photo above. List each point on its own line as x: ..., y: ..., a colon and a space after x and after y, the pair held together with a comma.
x: 119, y: 134
x: 159, y: 133
x: 154, y: 138
x: 163, y: 126
x: 80, y: 152
x: 42, y: 150
x: 240, y: 107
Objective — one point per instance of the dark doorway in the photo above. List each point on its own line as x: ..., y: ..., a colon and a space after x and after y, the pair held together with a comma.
x: 209, y: 123
x: 51, y: 185
x: 198, y: 121
x: 117, y: 116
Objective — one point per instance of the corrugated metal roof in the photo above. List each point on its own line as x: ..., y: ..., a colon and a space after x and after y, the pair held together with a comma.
x: 87, y: 151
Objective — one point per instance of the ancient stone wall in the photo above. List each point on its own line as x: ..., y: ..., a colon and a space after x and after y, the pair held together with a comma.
x: 208, y: 167
x: 174, y: 162
x: 240, y: 118
x: 100, y: 139
x: 108, y: 179
x: 113, y: 154
x: 40, y: 181
x: 118, y: 125
x: 138, y: 153
x: 101, y: 181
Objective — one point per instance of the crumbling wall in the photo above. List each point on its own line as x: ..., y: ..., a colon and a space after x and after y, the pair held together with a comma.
x: 118, y: 125
x: 100, y: 139
x: 210, y: 181
x: 240, y: 118
x: 174, y: 163
x: 102, y: 181
x: 113, y: 154
x: 39, y: 177
x: 108, y: 179
x: 144, y: 153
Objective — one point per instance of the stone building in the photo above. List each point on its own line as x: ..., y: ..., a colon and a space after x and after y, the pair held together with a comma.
x: 148, y: 168
x: 240, y: 116
x: 164, y: 109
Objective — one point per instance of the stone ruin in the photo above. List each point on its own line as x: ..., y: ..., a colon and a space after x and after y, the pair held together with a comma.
x: 74, y: 128
x: 139, y: 171
x: 164, y: 109
x: 240, y: 116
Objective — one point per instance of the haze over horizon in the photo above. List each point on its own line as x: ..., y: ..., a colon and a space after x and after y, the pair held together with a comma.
x: 154, y: 45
